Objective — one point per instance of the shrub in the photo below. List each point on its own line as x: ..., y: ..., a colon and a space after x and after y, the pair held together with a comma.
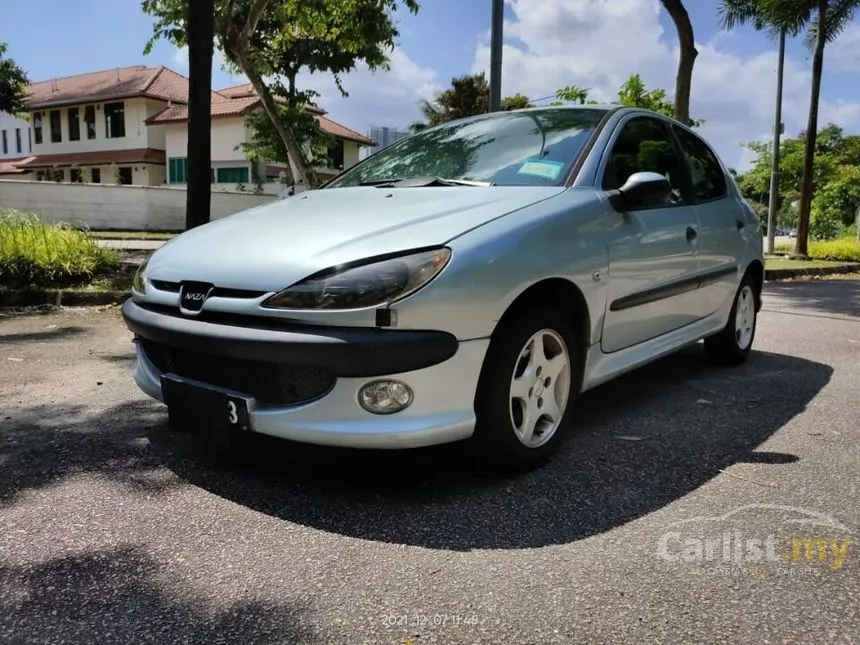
x: 843, y: 249
x: 35, y: 253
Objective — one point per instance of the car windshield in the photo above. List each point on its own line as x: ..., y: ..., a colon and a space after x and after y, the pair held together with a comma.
x: 534, y: 147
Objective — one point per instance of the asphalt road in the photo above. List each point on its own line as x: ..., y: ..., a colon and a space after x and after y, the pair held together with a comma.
x: 115, y: 530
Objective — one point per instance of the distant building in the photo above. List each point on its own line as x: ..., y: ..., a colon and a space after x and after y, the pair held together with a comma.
x: 14, y: 146
x: 385, y: 136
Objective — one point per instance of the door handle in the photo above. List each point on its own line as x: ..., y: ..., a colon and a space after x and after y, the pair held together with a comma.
x: 691, y: 234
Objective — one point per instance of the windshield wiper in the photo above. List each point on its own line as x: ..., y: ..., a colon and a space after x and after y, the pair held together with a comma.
x: 420, y: 182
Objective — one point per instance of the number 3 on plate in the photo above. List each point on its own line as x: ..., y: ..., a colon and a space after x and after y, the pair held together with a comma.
x: 233, y: 413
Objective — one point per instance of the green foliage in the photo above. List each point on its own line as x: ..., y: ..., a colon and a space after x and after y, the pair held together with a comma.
x: 842, y: 249
x: 266, y: 145
x: 836, y: 183
x: 13, y: 85
x: 35, y: 253
x: 632, y: 93
x: 319, y: 36
x: 468, y: 95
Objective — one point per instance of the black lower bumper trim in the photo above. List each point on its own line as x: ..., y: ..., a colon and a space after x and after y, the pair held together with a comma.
x: 348, y: 352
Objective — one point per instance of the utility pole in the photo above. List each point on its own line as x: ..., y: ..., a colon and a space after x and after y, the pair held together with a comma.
x: 498, y: 22
x: 777, y: 130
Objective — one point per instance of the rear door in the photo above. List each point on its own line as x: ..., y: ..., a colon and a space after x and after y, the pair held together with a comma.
x: 721, y: 224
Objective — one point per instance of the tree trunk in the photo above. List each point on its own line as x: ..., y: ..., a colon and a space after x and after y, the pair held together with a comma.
x: 687, y: 43
x: 201, y: 40
x: 297, y: 155
x: 806, y: 182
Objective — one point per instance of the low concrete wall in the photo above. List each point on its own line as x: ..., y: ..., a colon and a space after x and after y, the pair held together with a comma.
x: 108, y: 206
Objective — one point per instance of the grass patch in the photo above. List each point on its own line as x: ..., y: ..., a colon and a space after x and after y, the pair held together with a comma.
x: 35, y: 253
x: 843, y: 249
x: 785, y: 263
x: 132, y: 235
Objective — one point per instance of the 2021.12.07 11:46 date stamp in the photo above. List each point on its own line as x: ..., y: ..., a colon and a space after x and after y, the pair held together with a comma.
x: 419, y: 620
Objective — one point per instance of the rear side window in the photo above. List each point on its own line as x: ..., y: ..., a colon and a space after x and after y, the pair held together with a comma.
x: 706, y: 174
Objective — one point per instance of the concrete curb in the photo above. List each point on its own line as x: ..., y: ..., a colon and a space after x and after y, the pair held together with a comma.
x: 786, y: 274
x: 61, y: 298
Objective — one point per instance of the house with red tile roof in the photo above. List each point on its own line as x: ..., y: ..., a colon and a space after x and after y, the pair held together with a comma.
x: 128, y: 125
x: 230, y: 107
x: 91, y: 127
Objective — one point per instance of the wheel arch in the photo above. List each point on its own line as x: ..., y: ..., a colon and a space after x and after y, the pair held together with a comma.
x: 559, y: 292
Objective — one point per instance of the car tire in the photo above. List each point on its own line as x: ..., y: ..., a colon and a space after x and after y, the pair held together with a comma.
x: 521, y: 389
x: 733, y: 344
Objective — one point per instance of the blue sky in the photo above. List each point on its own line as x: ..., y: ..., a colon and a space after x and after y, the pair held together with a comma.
x: 552, y: 43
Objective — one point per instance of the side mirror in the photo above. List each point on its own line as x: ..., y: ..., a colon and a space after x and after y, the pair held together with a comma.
x: 641, y: 190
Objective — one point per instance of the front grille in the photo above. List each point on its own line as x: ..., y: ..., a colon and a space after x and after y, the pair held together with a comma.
x: 269, y: 383
x: 219, y: 292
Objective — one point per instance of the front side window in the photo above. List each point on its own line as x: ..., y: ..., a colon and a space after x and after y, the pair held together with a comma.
x: 56, y: 126
x: 643, y: 146
x: 529, y: 148
x: 709, y: 182
x: 114, y: 120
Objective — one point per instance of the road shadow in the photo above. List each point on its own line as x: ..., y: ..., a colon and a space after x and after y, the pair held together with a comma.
x: 840, y: 297
x: 115, y: 596
x: 57, y: 333
x: 640, y: 443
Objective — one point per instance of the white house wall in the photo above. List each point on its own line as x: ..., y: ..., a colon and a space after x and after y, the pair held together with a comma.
x: 10, y: 123
x: 137, y: 134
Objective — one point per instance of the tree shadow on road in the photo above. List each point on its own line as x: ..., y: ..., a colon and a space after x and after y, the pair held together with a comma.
x: 841, y: 297
x: 641, y: 442
x: 115, y: 596
x: 57, y: 333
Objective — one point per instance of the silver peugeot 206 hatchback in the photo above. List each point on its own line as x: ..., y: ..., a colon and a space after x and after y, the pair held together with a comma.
x: 466, y: 283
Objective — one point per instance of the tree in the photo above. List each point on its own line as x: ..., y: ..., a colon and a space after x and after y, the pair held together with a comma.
x: 686, y: 59
x: 836, y: 182
x: 200, y: 26
x: 270, y: 41
x: 822, y: 21
x: 468, y: 95
x: 632, y: 93
x: 13, y: 85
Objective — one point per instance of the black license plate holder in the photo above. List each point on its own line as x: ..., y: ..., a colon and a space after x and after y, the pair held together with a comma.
x: 216, y: 413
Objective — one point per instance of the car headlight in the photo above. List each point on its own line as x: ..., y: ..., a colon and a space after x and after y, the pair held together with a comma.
x: 138, y: 282
x: 363, y: 286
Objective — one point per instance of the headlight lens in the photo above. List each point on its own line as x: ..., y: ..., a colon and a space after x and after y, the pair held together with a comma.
x: 367, y: 285
x: 138, y: 282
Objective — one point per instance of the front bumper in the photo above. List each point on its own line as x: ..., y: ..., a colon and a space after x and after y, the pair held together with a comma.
x: 442, y: 372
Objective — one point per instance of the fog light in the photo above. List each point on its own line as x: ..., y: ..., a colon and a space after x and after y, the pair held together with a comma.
x: 385, y: 397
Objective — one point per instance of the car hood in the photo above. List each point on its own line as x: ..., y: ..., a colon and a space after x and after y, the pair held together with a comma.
x: 274, y: 245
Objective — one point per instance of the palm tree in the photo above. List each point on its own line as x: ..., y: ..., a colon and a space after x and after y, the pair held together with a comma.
x: 822, y: 21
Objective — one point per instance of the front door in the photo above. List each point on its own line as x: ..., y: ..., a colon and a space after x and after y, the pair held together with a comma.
x: 653, y: 258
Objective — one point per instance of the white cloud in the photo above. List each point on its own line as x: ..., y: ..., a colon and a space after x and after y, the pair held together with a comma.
x: 597, y: 44
x: 179, y: 62
x: 376, y: 98
x: 844, y: 54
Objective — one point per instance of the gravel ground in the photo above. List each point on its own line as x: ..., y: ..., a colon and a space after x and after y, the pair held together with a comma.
x: 115, y: 530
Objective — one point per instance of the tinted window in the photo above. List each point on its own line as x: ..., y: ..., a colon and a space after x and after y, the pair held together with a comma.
x: 643, y: 146
x: 706, y: 175
x: 530, y: 148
